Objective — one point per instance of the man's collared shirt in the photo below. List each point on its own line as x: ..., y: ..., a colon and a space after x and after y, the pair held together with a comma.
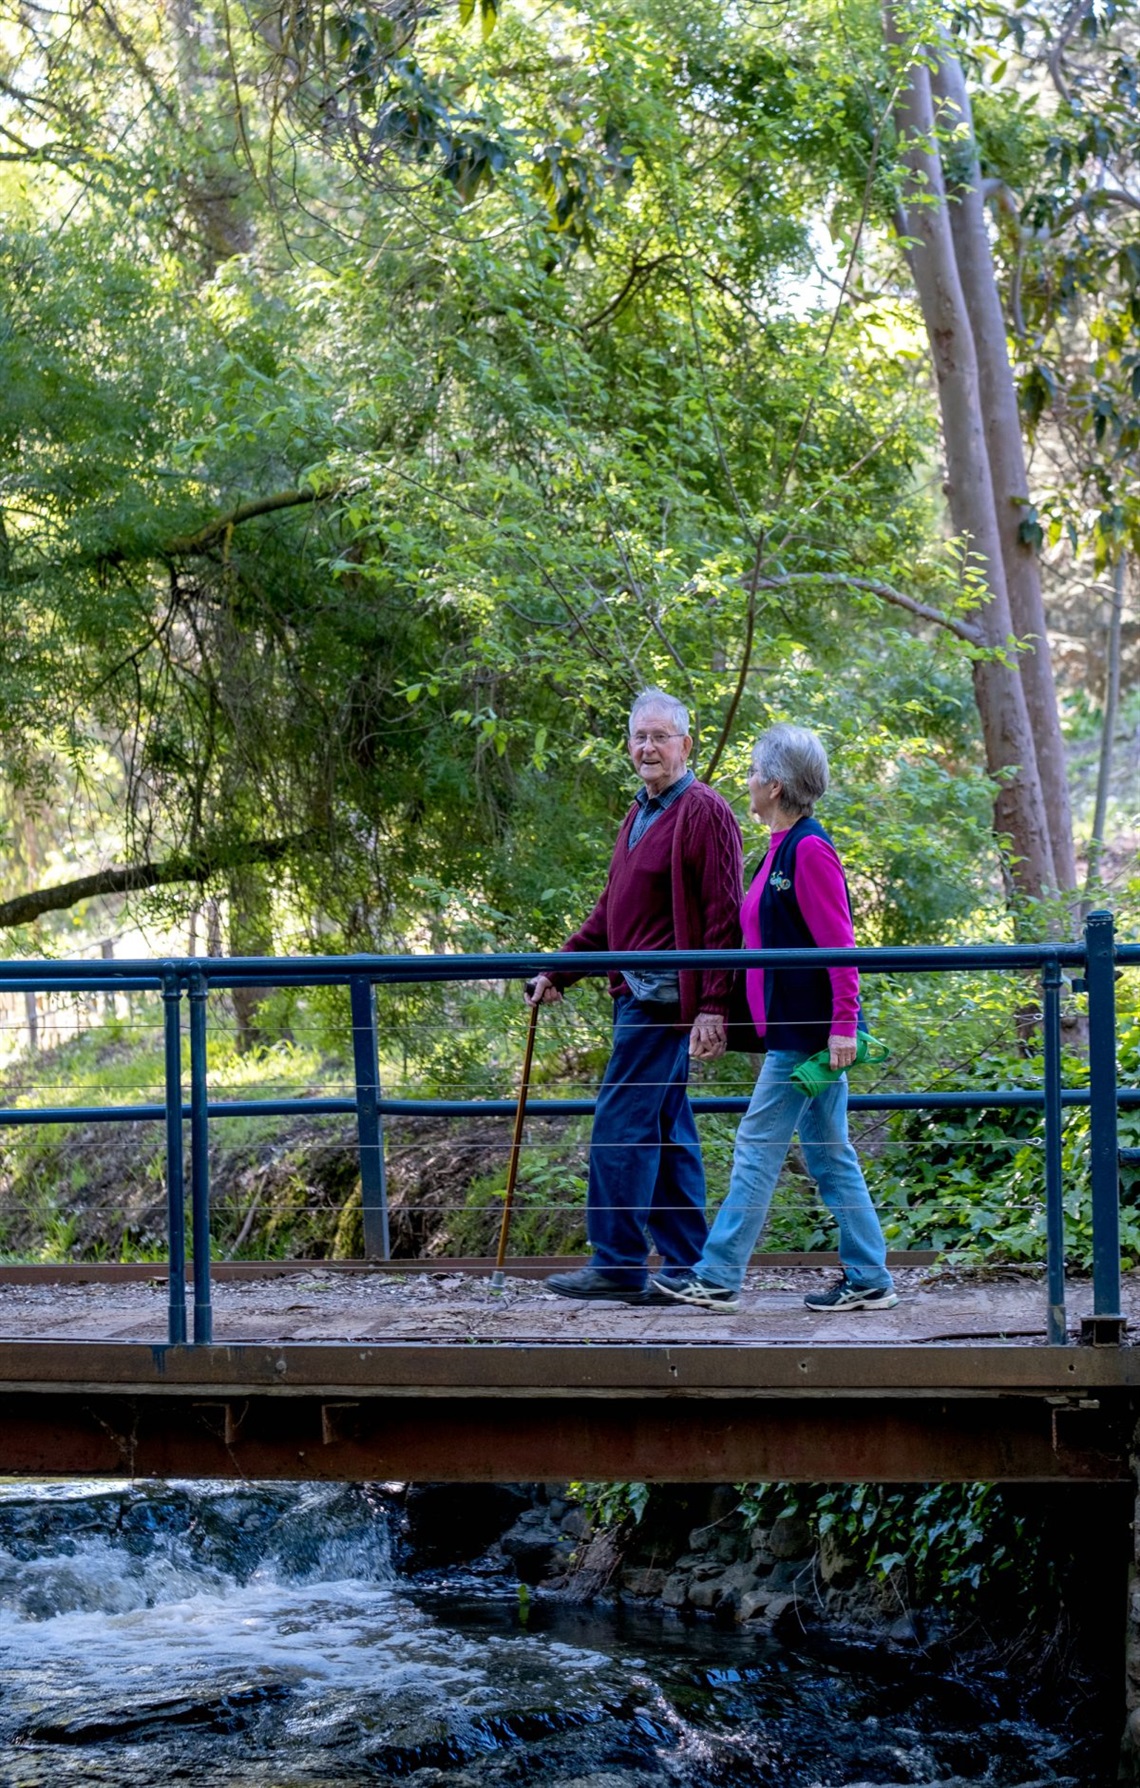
x: 656, y: 987
x: 652, y: 806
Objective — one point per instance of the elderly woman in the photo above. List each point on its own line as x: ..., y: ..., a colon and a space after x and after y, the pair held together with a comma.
x: 797, y: 899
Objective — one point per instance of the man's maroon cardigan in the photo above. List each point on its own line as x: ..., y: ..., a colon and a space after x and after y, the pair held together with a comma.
x: 691, y: 903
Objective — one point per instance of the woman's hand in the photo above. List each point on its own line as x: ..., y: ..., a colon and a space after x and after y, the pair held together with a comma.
x: 841, y: 1051
x: 707, y: 1039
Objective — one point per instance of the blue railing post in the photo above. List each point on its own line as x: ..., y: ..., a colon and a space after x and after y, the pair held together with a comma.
x: 200, y: 1161
x: 175, y: 1173
x: 1104, y: 1164
x: 370, y: 1136
x: 1056, y: 1327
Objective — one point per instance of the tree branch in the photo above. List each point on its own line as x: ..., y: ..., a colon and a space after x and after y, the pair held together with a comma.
x: 136, y: 877
x: 1056, y: 58
x: 965, y: 630
x: 1108, y: 195
x: 639, y: 273
x: 1113, y: 195
x: 745, y: 664
x: 187, y: 545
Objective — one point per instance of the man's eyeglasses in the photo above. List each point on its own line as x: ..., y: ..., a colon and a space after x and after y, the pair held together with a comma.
x: 653, y: 738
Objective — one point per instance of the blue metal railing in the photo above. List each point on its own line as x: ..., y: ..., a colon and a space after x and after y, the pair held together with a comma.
x: 1095, y: 960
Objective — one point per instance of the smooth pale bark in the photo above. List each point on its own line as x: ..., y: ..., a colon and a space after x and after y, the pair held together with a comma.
x: 1011, y: 757
x: 1111, y: 707
x: 1002, y: 423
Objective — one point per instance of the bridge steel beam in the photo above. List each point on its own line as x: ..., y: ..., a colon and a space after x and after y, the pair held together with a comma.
x: 486, y: 1414
x: 480, y: 1439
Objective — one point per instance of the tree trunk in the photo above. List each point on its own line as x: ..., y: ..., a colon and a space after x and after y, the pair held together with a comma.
x: 213, y: 927
x: 1011, y: 758
x: 1111, y: 706
x: 215, y: 192
x: 251, y: 934
x: 1002, y: 423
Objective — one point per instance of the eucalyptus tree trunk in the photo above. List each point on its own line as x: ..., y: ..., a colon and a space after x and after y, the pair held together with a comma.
x: 1011, y: 755
x: 1005, y: 448
x: 1111, y: 707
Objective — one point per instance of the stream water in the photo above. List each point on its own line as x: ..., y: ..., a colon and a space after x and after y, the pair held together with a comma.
x: 264, y: 1636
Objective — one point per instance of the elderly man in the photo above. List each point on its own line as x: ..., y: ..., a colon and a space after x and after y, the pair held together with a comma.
x: 675, y: 883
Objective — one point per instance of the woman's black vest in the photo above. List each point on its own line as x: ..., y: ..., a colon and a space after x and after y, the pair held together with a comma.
x: 797, y: 1001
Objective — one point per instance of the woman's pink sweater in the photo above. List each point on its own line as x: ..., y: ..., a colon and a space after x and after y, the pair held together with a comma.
x: 821, y: 893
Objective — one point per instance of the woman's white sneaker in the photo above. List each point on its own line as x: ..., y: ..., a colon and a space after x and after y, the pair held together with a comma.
x: 845, y: 1296
x: 689, y: 1288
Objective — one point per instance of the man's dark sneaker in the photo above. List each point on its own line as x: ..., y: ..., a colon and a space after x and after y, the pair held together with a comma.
x: 845, y: 1296
x: 667, y: 1278
x: 651, y: 1295
x: 689, y: 1288
x: 588, y: 1282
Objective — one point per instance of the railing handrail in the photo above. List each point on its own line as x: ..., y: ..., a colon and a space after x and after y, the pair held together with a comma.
x: 225, y: 971
x: 1096, y: 956
x: 999, y: 1099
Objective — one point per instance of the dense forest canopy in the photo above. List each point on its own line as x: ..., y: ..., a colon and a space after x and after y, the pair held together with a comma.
x: 388, y: 392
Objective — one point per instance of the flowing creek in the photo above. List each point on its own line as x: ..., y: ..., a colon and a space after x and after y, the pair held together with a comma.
x: 264, y: 1636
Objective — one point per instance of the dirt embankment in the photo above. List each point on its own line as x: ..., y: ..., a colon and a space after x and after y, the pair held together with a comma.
x: 280, y: 1188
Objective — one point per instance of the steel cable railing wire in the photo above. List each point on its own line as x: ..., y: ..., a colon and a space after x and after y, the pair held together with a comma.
x: 434, y: 975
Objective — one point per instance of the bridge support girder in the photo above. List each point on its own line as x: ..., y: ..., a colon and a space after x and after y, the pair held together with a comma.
x: 481, y: 1438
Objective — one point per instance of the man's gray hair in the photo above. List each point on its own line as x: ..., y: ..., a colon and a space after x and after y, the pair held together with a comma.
x: 657, y: 698
x: 794, y: 757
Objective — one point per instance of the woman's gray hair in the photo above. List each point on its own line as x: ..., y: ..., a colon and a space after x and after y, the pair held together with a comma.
x: 794, y: 757
x: 657, y: 698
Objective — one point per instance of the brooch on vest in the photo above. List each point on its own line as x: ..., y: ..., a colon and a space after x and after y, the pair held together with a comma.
x: 781, y: 883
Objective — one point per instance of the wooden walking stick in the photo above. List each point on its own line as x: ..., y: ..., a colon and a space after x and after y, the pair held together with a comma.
x: 516, y: 1144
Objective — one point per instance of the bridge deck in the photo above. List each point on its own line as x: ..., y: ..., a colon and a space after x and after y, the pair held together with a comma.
x: 321, y: 1374
x: 325, y: 1305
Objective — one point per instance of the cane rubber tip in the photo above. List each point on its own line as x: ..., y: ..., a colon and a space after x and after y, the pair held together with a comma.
x: 498, y: 1280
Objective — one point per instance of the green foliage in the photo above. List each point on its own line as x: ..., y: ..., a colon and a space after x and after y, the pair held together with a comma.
x: 972, y: 1184
x: 544, y: 397
x: 952, y: 1546
x: 941, y: 1545
x: 611, y: 1507
x: 1068, y: 239
x: 548, y: 1213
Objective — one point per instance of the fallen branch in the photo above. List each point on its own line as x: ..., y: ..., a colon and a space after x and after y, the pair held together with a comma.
x: 135, y: 878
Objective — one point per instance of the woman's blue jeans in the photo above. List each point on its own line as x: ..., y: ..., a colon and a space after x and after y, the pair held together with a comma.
x: 777, y: 1110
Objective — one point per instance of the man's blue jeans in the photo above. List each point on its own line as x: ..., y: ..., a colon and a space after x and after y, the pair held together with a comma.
x: 646, y: 1172
x: 777, y: 1110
